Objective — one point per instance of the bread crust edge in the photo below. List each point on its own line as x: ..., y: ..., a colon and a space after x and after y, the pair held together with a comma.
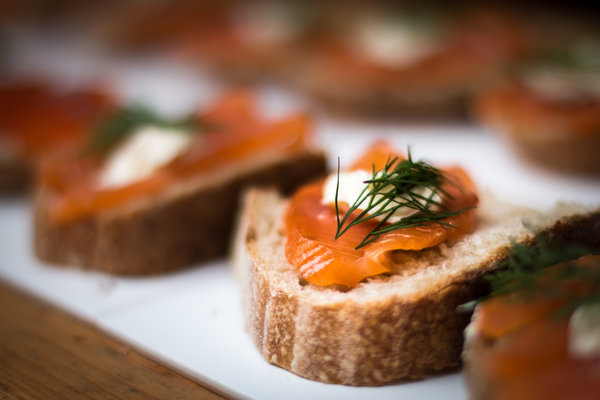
x: 367, y: 343
x: 175, y: 229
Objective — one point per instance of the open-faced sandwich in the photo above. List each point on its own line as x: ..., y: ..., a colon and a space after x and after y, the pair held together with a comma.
x: 550, y: 109
x: 37, y: 120
x: 413, y: 59
x: 235, y: 39
x: 252, y: 40
x: 157, y: 25
x: 538, y: 335
x: 150, y: 194
x: 355, y: 279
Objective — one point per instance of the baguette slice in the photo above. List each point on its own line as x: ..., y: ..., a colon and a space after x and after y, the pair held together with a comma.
x: 387, y: 328
x: 189, y: 222
x: 15, y: 173
x: 37, y: 120
x: 562, y: 135
x: 549, y: 367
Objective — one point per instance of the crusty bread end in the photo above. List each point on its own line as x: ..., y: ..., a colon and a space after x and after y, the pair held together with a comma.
x: 15, y: 174
x: 475, y: 350
x: 190, y: 222
x: 388, y: 328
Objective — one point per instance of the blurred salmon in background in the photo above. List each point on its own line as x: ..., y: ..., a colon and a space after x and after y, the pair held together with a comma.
x: 537, y: 337
x: 38, y: 120
x: 548, y: 108
x: 412, y: 57
x: 403, y: 60
x: 411, y: 60
x: 408, y: 59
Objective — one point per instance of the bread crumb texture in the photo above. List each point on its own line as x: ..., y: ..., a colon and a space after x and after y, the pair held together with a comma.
x: 190, y: 222
x: 388, y: 328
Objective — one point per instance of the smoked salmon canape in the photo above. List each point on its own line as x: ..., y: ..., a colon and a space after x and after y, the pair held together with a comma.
x: 346, y: 229
x: 138, y: 27
x: 538, y: 334
x: 254, y: 40
x: 412, y: 61
x: 549, y: 110
x: 39, y: 120
x: 233, y: 39
x: 355, y: 279
x: 150, y: 194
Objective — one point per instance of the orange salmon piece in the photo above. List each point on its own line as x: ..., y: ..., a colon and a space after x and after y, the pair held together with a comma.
x: 40, y: 121
x: 233, y: 132
x: 322, y: 260
x: 532, y: 360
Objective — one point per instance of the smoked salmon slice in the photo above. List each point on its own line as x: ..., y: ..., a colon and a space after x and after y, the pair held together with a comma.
x: 529, y: 356
x: 37, y: 120
x: 323, y: 260
x: 232, y: 132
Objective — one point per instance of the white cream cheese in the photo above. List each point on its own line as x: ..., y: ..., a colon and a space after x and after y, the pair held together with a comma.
x: 352, y: 183
x: 392, y: 43
x: 584, y: 331
x: 556, y: 84
x: 266, y: 24
x: 138, y: 156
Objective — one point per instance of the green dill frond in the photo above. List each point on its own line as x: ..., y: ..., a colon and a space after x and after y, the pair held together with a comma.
x: 523, y: 268
x: 395, y: 186
x: 125, y: 121
x: 525, y: 275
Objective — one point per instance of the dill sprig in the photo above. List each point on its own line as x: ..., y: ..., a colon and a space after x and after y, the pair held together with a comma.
x: 582, y: 55
x: 526, y: 264
x: 525, y: 274
x: 125, y: 121
x: 399, y: 184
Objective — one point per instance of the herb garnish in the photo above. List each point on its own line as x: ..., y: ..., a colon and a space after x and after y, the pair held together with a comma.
x: 526, y: 264
x: 397, y: 185
x: 124, y: 122
x: 526, y: 272
x: 582, y: 55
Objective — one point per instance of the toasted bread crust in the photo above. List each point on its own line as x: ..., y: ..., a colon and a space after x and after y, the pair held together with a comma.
x: 480, y: 349
x: 15, y: 175
x: 475, y: 351
x: 371, y: 102
x: 562, y: 137
x: 190, y: 223
x: 384, y: 330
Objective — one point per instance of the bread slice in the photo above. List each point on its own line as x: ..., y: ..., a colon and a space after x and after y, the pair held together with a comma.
x: 475, y: 350
x: 190, y: 222
x: 562, y: 135
x: 366, y: 100
x: 489, y: 351
x: 15, y: 174
x: 389, y: 327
